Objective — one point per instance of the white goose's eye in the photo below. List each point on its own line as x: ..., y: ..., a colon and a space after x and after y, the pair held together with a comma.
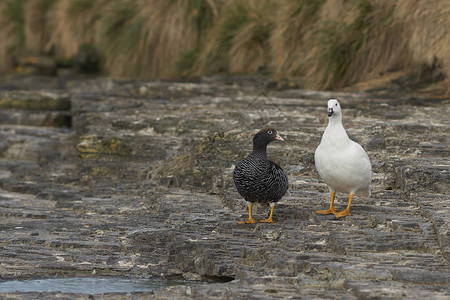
x: 336, y: 104
x: 269, y: 132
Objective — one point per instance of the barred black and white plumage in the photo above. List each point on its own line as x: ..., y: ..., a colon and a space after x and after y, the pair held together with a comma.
x: 258, y: 179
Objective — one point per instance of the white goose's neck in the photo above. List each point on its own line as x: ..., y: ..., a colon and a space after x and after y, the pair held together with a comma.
x: 335, y: 132
x: 336, y: 119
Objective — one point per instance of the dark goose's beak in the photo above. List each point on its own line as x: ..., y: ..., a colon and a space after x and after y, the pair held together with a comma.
x: 279, y: 138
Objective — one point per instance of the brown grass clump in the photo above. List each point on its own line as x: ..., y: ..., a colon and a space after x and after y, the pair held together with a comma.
x: 335, y: 43
x: 427, y: 24
x: 145, y: 38
x: 36, y: 20
x: 377, y: 37
x: 292, y: 35
x: 346, y: 51
x: 12, y: 30
x: 72, y: 24
x: 237, y: 42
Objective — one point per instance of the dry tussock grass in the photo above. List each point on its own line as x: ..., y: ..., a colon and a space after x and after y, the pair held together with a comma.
x: 328, y: 43
x: 249, y: 46
x: 11, y: 30
x: 351, y: 41
x: 72, y: 24
x: 119, y: 31
x: 427, y: 24
x: 292, y: 35
x: 351, y: 51
x: 237, y: 42
x: 36, y: 19
x: 6, y: 35
x: 154, y: 35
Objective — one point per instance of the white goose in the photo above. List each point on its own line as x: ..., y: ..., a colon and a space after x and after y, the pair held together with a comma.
x: 341, y: 163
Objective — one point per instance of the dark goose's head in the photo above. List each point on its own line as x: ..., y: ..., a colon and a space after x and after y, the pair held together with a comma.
x: 264, y: 137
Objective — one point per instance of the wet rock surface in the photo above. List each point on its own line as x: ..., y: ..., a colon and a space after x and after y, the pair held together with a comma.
x: 136, y: 182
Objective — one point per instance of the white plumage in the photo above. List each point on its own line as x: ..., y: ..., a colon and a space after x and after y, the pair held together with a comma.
x: 341, y: 163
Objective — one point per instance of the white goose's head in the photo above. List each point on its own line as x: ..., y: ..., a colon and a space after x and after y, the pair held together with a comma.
x: 334, y: 108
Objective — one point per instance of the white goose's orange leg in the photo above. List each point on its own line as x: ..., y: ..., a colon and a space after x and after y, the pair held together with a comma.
x: 330, y: 210
x: 269, y: 219
x: 250, y: 218
x: 345, y: 212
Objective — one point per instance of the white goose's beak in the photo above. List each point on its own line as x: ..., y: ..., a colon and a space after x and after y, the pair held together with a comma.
x: 330, y: 111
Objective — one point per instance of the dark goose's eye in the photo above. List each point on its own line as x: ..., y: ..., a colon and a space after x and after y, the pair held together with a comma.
x: 269, y: 132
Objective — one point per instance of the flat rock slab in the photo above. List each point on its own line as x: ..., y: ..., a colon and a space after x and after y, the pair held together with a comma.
x: 141, y: 186
x: 35, y: 108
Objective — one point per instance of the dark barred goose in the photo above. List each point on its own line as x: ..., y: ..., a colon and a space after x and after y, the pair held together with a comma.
x: 258, y: 179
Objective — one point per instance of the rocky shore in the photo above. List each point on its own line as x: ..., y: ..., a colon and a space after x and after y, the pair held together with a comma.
x: 102, y: 177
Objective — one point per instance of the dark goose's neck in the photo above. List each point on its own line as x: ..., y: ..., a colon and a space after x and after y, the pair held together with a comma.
x: 259, y: 149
